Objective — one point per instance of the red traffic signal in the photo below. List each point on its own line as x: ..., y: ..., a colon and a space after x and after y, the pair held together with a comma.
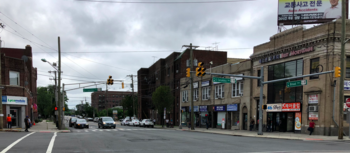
x: 55, y: 108
x: 206, y: 114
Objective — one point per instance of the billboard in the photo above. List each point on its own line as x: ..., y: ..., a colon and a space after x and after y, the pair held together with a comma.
x: 308, y: 11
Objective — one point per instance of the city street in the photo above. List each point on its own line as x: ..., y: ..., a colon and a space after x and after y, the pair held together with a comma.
x: 140, y: 139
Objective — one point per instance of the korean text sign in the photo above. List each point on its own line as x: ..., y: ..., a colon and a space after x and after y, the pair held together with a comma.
x: 308, y: 10
x: 291, y: 107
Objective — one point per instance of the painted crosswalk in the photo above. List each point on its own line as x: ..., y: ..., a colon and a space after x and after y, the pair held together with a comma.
x: 111, y: 130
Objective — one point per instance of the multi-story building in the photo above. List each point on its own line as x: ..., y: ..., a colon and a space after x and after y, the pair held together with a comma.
x: 294, y: 52
x: 18, y: 77
x: 217, y: 102
x: 168, y: 72
x: 114, y: 98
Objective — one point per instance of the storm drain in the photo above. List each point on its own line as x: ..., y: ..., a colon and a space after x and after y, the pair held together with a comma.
x: 141, y: 140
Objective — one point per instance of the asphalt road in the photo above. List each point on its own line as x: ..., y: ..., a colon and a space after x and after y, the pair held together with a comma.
x: 150, y: 140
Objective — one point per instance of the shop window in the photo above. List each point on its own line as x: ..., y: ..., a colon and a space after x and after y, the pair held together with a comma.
x: 219, y: 91
x: 205, y: 93
x: 195, y: 94
x: 347, y: 75
x: 314, y: 67
x: 237, y: 89
x: 14, y: 78
x: 185, y: 96
x: 259, y: 74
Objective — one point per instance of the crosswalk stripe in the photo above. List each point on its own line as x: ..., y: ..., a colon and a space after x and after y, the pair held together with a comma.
x: 115, y: 130
x: 86, y: 131
x: 101, y: 130
x: 108, y: 130
x: 121, y: 129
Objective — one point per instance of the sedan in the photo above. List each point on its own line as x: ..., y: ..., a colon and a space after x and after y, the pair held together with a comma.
x: 90, y: 119
x: 72, y: 121
x: 81, y: 123
x: 146, y: 123
x: 135, y: 122
x: 105, y: 122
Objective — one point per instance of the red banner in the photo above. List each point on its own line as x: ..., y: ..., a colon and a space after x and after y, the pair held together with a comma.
x: 291, y: 107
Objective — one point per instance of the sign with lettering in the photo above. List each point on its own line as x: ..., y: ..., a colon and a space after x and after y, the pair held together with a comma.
x: 14, y: 100
x: 203, y: 108
x: 313, y: 115
x: 274, y: 107
x: 285, y: 55
x: 232, y: 107
x: 195, y: 85
x: 313, y: 99
x: 346, y: 85
x: 195, y: 109
x: 291, y: 107
x: 220, y: 108
x: 205, y: 83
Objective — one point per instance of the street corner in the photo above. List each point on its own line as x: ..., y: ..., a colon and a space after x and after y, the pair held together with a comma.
x: 11, y: 130
x: 65, y: 131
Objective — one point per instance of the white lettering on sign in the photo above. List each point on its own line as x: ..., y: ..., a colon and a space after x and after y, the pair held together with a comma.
x: 313, y: 99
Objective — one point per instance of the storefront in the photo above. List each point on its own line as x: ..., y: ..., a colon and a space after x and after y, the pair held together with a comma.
x: 233, y: 116
x: 184, y: 116
x: 204, y: 116
x: 219, y: 115
x: 196, y: 115
x: 16, y: 107
x: 284, y: 117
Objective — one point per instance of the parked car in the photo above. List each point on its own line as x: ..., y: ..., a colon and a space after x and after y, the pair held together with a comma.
x: 146, y: 123
x: 72, y: 121
x: 96, y: 119
x: 134, y: 122
x: 105, y: 122
x: 90, y: 119
x: 125, y: 122
x: 81, y: 123
x: 121, y: 120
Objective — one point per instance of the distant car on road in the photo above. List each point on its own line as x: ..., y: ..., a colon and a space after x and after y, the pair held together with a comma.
x: 121, y: 120
x: 96, y: 119
x: 90, y: 119
x: 105, y: 122
x: 125, y: 122
x: 134, y: 122
x: 72, y: 121
x: 146, y: 123
x: 81, y: 123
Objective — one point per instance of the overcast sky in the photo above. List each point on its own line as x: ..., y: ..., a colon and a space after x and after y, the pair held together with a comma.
x: 105, y: 28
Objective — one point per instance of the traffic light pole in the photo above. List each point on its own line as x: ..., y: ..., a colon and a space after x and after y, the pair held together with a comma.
x: 342, y: 67
x: 191, y: 82
x: 59, y: 86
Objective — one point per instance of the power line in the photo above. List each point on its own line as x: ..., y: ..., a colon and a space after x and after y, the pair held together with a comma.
x: 68, y: 78
x: 81, y: 67
x: 145, y: 51
x: 171, y: 2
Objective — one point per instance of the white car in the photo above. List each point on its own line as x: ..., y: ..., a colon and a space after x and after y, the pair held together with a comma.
x: 146, y: 123
x: 124, y: 122
x: 134, y: 122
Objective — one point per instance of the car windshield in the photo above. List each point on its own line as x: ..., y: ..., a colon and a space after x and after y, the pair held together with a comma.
x: 107, y: 119
x: 81, y: 121
x: 74, y: 119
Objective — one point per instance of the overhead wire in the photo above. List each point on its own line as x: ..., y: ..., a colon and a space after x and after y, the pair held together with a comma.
x: 164, y: 2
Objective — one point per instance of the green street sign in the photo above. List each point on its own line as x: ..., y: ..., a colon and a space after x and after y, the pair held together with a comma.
x: 222, y: 80
x: 296, y: 83
x: 91, y: 89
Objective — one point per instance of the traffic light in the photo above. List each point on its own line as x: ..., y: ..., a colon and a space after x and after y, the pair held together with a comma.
x: 122, y: 85
x: 188, y: 72
x: 264, y: 107
x: 337, y: 72
x: 64, y: 109
x: 203, y: 71
x: 200, y: 70
x: 55, y: 108
x: 182, y: 111
x: 200, y: 64
x: 111, y: 81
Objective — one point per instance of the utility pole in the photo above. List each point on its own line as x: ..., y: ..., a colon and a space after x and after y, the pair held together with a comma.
x: 106, y: 99
x: 132, y: 90
x: 59, y: 86
x: 1, y: 113
x: 342, y: 68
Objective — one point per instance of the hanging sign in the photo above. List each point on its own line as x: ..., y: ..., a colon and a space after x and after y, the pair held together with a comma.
x: 313, y: 99
x: 297, y: 121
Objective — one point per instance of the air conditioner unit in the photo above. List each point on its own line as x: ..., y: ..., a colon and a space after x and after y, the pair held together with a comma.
x: 313, y: 108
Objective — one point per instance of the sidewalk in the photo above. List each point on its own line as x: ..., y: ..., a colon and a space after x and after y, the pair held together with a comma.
x: 273, y: 135
x: 43, y: 127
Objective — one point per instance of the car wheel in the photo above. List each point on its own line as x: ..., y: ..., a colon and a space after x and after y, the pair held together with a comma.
x: 144, y: 125
x: 114, y: 127
x: 98, y: 126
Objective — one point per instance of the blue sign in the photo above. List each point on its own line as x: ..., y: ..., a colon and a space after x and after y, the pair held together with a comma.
x: 205, y: 83
x: 232, y: 107
x: 220, y: 108
x: 183, y: 109
x: 195, y: 109
x: 203, y: 108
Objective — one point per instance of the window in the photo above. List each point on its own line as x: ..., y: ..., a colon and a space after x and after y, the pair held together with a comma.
x: 259, y: 74
x: 314, y: 67
x: 14, y: 78
x: 205, y: 93
x: 187, y: 63
x: 347, y: 75
x: 237, y: 89
x: 195, y: 94
x: 168, y: 71
x: 185, y: 96
x: 195, y: 62
x: 219, y: 91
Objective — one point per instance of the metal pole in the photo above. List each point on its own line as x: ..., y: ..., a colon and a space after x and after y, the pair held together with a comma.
x: 59, y: 85
x: 342, y: 67
x: 63, y: 102
x: 106, y: 100
x: 191, y: 81
x: 180, y: 125
x: 56, y: 116
x: 132, y: 95
x: 261, y: 101
x: 1, y: 113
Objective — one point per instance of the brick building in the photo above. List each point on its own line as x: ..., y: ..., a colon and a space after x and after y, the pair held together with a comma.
x: 98, y: 99
x: 19, y: 77
x: 168, y: 72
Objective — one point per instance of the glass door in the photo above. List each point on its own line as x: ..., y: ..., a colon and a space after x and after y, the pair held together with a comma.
x: 14, y: 117
x: 290, y: 122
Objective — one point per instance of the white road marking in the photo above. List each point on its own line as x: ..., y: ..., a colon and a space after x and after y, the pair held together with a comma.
x: 94, y: 130
x: 86, y: 131
x: 108, y: 130
x: 14, y: 143
x: 121, y: 129
x: 115, y: 130
x: 49, y: 149
x: 101, y: 130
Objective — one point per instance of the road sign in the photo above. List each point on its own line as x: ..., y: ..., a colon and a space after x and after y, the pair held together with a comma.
x: 348, y: 102
x: 296, y: 83
x: 222, y: 80
x: 91, y: 89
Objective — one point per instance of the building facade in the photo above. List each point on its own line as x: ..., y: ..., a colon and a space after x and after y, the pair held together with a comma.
x: 102, y: 100
x: 168, y: 72
x: 19, y: 81
x: 294, y: 52
x: 222, y: 105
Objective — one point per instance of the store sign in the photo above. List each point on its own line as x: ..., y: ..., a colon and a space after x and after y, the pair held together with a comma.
x: 195, y: 85
x: 14, y: 100
x: 297, y: 125
x: 183, y: 109
x: 232, y: 107
x: 205, y: 83
x: 274, y: 108
x: 313, y: 99
x: 220, y: 108
x: 290, y: 107
x: 115, y: 112
x: 346, y: 85
x: 203, y: 108
x: 313, y: 115
x: 285, y: 55
x: 195, y: 109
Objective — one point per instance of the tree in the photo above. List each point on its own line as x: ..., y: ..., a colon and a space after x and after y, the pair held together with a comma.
x: 46, y: 100
x: 163, y: 98
x: 128, y: 104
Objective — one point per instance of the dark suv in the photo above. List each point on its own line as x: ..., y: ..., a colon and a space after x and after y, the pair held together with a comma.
x: 104, y: 122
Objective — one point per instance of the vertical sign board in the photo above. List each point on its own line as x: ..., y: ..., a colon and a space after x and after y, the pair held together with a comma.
x: 313, y: 99
x: 346, y: 104
x: 297, y: 121
x: 308, y: 11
